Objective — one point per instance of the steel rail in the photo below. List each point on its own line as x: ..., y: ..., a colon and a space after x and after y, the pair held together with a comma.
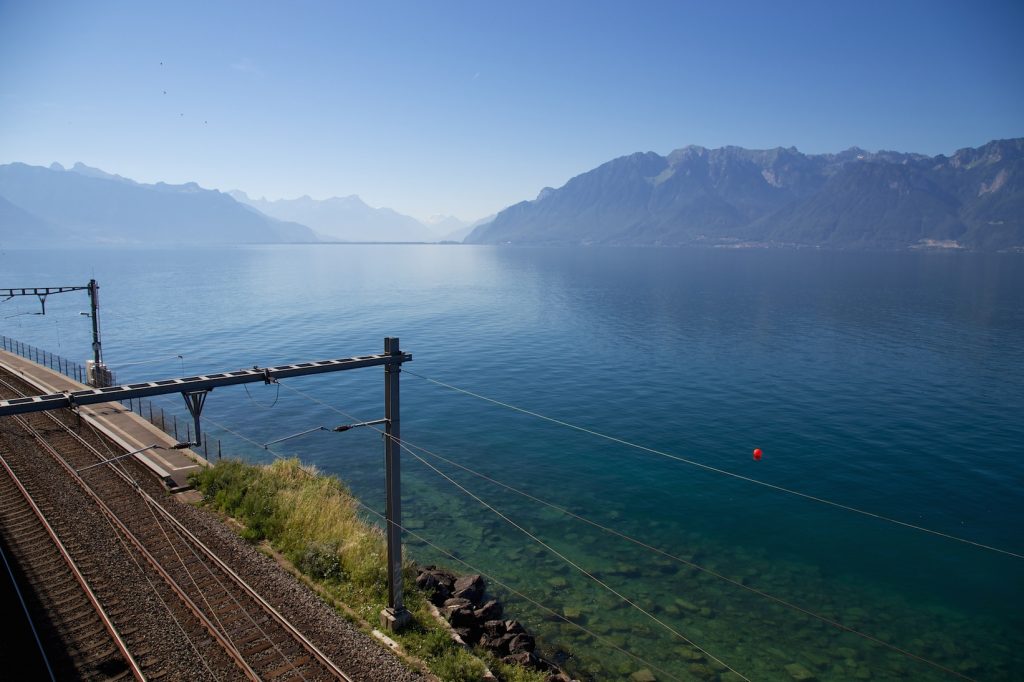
x: 108, y: 624
x: 150, y: 559
x: 296, y: 634
x: 275, y: 615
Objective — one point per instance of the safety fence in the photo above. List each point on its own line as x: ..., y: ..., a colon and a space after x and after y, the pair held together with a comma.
x: 158, y: 418
x: 57, y: 363
x: 144, y: 408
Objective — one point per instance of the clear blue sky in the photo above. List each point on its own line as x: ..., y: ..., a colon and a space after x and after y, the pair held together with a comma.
x: 463, y: 108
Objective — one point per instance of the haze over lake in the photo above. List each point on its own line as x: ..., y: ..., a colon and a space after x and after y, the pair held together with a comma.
x: 891, y: 383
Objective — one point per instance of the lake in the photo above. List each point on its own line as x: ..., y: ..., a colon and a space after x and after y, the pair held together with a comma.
x: 891, y: 383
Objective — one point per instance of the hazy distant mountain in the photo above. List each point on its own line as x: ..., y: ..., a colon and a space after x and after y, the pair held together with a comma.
x: 347, y: 219
x: 87, y: 205
x: 733, y: 196
x: 452, y: 229
x: 18, y: 226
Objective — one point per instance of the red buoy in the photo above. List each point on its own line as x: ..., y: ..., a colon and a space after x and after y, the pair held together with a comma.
x: 757, y: 454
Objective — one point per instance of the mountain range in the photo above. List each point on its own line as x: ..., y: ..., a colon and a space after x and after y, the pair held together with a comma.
x: 84, y: 204
x: 81, y: 204
x: 732, y: 196
x: 727, y: 197
x: 345, y: 219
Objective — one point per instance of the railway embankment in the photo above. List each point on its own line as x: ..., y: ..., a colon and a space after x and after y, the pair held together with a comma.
x: 315, y: 524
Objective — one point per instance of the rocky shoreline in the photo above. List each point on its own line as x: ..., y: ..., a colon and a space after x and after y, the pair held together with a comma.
x: 476, y: 620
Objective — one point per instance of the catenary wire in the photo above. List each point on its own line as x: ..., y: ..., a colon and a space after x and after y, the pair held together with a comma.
x: 717, y: 470
x: 122, y: 466
x: 691, y: 564
x: 569, y: 561
x: 555, y: 552
x: 130, y: 552
x: 404, y: 444
x: 514, y: 591
x: 476, y: 570
x: 257, y: 403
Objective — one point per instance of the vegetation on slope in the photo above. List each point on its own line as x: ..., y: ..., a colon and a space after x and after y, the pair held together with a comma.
x: 314, y: 522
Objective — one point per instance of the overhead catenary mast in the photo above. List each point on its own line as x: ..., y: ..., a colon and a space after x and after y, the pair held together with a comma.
x: 98, y: 376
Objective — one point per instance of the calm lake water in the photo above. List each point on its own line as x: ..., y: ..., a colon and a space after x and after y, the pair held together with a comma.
x: 893, y: 383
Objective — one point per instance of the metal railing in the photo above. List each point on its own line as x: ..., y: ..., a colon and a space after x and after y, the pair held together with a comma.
x: 143, y: 408
x: 57, y: 363
x: 158, y: 418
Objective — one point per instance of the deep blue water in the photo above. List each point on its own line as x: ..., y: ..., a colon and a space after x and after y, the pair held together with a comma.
x: 893, y: 383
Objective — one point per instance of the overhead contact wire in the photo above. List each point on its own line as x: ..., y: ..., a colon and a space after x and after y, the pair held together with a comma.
x: 406, y: 444
x: 569, y: 561
x: 669, y: 555
x: 724, y: 472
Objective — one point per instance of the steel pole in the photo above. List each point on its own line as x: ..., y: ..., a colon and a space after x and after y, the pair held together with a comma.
x: 395, y: 616
x: 94, y: 313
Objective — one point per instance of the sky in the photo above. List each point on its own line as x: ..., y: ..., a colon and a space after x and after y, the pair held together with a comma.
x: 464, y: 108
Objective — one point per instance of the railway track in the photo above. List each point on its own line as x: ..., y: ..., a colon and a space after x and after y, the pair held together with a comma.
x: 232, y: 631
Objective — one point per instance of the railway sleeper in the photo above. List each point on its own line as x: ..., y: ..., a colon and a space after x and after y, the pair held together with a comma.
x: 288, y: 667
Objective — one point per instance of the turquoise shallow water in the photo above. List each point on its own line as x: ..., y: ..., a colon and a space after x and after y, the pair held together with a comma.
x: 893, y: 383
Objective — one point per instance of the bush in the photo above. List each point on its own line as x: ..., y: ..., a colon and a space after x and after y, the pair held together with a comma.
x: 321, y: 561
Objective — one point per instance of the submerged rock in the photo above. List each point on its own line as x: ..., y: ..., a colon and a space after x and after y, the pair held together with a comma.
x: 800, y: 673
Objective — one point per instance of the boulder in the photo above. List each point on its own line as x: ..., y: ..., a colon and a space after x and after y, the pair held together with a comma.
x: 527, y: 659
x: 470, y: 587
x: 489, y: 611
x: 520, y: 643
x: 459, y: 612
x: 496, y: 628
x: 470, y: 634
x: 436, y: 583
x: 514, y: 627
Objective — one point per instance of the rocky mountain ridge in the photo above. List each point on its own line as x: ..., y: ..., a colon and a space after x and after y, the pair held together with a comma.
x: 780, y: 197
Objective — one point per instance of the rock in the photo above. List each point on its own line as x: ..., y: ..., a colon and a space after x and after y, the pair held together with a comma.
x: 490, y: 611
x: 818, y: 660
x: 527, y: 659
x: 690, y: 654
x: 438, y: 584
x: 644, y: 675
x: 520, y: 643
x: 514, y: 627
x: 687, y: 605
x: 572, y: 613
x: 558, y: 582
x: 496, y: 628
x: 703, y: 671
x: 470, y: 634
x: 459, y: 612
x: 469, y: 587
x: 799, y: 673
x: 452, y: 605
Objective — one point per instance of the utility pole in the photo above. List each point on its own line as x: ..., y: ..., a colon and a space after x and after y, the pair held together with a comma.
x: 100, y: 376
x: 395, y: 616
x: 195, y: 390
x: 94, y: 313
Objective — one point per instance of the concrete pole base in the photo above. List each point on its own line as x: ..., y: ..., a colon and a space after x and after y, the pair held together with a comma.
x: 392, y: 620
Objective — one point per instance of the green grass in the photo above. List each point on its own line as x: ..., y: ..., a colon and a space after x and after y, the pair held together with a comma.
x: 313, y: 521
